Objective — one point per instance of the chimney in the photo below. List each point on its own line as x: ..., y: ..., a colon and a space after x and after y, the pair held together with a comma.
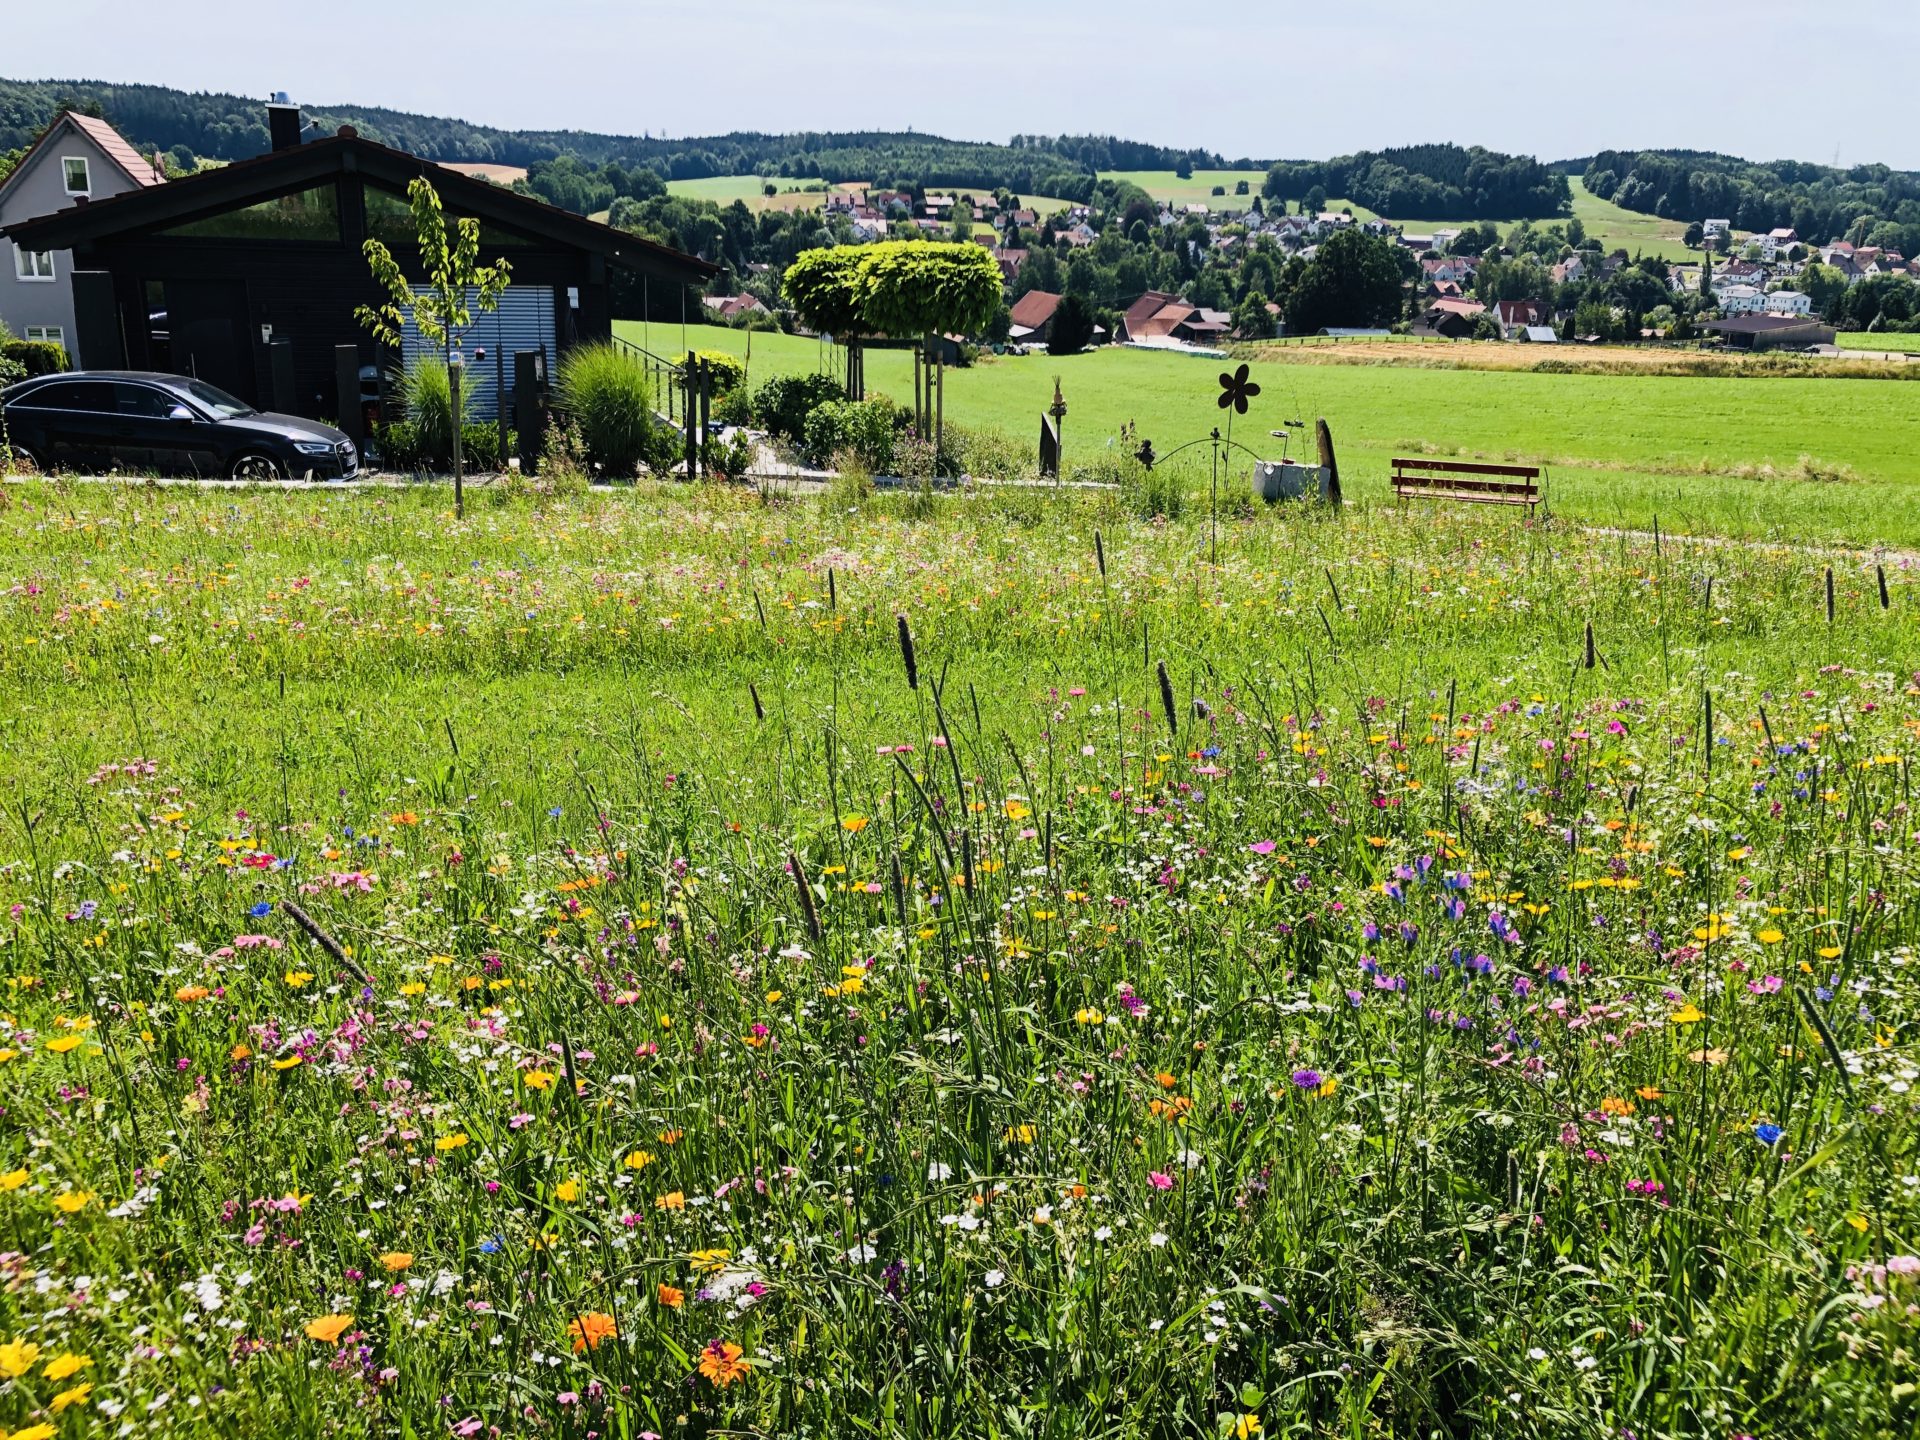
x: 283, y: 121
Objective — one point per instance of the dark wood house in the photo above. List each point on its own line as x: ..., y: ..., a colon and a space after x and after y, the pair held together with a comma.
x: 248, y: 275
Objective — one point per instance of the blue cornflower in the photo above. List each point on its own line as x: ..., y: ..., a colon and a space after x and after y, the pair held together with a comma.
x: 1768, y: 1134
x: 265, y: 907
x: 494, y: 1245
x: 554, y: 813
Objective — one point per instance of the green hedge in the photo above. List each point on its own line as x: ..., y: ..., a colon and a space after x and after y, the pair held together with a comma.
x: 36, y: 357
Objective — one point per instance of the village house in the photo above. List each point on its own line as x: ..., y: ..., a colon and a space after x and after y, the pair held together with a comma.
x: 1777, y: 242
x: 1517, y: 315
x: 1713, y: 229
x: 727, y: 308
x: 1455, y: 319
x: 1739, y: 299
x: 1457, y: 268
x: 1032, y: 317
x: 1571, y: 268
x: 77, y: 160
x: 1789, y: 302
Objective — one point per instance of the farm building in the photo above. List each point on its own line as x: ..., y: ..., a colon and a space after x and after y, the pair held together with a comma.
x: 248, y: 275
x: 1033, y: 316
x: 1770, y: 332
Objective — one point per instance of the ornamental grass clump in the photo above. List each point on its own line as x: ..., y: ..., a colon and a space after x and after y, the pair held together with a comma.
x: 609, y: 398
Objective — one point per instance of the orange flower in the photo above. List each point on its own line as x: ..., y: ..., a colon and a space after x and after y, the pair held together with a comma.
x: 187, y: 994
x: 396, y: 1260
x: 671, y: 1298
x: 720, y: 1362
x: 672, y: 1200
x: 589, y: 1330
x: 328, y: 1328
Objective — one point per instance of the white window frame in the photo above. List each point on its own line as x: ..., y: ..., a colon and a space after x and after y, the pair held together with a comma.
x: 52, y: 334
x: 86, y: 169
x: 21, y: 272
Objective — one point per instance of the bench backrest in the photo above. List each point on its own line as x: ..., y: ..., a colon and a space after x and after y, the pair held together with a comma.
x: 1496, y: 477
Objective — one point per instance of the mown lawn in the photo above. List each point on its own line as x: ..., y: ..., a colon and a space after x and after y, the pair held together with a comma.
x: 798, y: 969
x: 1719, y: 455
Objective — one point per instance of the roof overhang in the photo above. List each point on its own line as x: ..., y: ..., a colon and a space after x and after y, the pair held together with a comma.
x: 281, y: 172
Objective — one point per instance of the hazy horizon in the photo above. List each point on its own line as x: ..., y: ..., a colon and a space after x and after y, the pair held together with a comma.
x: 1275, y: 85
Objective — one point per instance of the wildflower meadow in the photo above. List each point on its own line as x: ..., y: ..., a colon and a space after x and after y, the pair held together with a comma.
x: 675, y: 964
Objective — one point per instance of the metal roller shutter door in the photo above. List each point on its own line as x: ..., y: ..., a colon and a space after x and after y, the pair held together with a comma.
x: 524, y: 321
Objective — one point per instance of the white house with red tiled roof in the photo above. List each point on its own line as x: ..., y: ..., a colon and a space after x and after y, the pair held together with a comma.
x: 76, y: 160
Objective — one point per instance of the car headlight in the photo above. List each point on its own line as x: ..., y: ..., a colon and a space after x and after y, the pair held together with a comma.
x: 313, y: 447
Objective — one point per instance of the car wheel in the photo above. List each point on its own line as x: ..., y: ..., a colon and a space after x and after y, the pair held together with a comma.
x: 256, y: 465
x: 24, y: 461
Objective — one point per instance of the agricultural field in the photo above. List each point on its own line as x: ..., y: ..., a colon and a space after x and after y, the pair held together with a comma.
x: 1619, y: 229
x: 1769, y: 457
x: 679, y: 963
x: 1165, y: 185
x: 1878, y: 341
x: 796, y: 194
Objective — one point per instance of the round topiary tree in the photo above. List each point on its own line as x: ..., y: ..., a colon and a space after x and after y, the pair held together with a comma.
x: 823, y: 287
x: 920, y: 289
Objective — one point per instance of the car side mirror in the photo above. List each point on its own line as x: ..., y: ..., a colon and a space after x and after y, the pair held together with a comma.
x: 181, y: 414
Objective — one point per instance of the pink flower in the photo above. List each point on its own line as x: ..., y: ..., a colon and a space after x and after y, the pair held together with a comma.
x: 1262, y: 847
x: 1160, y: 1180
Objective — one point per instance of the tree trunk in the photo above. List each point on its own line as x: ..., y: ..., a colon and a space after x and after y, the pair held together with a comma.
x: 1324, y: 438
x: 459, y: 490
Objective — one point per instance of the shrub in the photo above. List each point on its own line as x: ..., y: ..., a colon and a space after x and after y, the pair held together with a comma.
x: 733, y: 408
x: 609, y: 399
x: 426, y: 394
x: 784, y: 402
x: 729, y: 459
x: 480, y: 447
x: 861, y: 427
x: 728, y: 371
x: 35, y: 357
x: 990, y: 454
x: 11, y: 372
x: 398, y: 445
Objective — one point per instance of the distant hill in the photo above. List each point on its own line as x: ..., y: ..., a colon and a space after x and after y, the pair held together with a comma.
x: 233, y: 127
x: 1863, y: 202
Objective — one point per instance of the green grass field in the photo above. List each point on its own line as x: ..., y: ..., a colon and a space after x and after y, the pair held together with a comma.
x: 1863, y: 340
x: 792, y: 194
x: 578, y: 970
x: 1165, y: 185
x: 1619, y: 229
x: 1718, y: 455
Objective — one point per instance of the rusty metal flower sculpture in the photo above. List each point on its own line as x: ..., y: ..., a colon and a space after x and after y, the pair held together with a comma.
x: 1236, y: 390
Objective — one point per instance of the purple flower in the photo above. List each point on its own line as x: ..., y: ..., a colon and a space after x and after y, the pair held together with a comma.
x: 1308, y: 1079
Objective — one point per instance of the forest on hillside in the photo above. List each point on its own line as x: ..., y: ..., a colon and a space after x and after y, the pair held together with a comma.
x: 1867, y: 204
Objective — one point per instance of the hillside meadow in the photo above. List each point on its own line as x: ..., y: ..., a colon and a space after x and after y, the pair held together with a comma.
x: 671, y: 962
x: 1806, y: 459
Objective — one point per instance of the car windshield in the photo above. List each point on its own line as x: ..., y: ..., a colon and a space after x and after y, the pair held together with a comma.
x: 216, y: 400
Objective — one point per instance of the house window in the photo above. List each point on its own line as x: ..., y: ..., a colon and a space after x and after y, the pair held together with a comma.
x: 52, y: 334
x: 32, y: 264
x: 304, y: 215
x: 76, y: 169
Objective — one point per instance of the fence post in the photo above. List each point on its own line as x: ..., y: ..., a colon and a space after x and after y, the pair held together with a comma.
x: 526, y: 407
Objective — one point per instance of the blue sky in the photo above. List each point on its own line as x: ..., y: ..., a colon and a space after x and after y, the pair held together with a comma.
x: 1759, y: 78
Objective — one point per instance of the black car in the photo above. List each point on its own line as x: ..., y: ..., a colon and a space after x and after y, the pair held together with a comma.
x: 100, y: 420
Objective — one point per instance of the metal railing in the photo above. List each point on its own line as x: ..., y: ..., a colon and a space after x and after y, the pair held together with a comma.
x: 669, y: 379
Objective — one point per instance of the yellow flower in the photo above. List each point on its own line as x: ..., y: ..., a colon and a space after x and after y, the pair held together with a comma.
x: 297, y: 978
x: 1087, y: 1015
x: 413, y: 987
x: 17, y: 1357
x: 1770, y: 936
x: 567, y: 1191
x: 396, y: 1261
x: 65, y: 1043
x: 710, y: 1262
x: 1688, y: 1014
x: 638, y: 1160
x: 13, y: 1179
x: 1858, y: 1222
x: 42, y: 1431
x: 449, y: 1142
x: 61, y: 1366
x: 73, y: 1201
x: 672, y: 1200
x: 1830, y: 952
x: 76, y: 1396
x: 538, y: 1079
x: 1246, y: 1427
x: 286, y: 1062
x: 1017, y: 811
x: 328, y: 1328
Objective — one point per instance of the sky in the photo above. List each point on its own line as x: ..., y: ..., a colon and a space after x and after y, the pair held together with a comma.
x: 1269, y: 79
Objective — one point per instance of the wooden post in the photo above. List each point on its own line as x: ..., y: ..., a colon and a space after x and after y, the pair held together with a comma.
x: 940, y: 411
